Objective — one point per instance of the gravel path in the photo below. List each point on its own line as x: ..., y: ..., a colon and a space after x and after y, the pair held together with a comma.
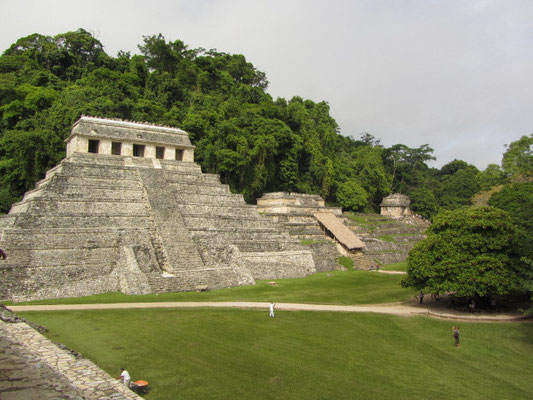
x: 394, y: 309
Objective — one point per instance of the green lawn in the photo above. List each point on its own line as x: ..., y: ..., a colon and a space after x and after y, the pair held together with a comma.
x: 335, y: 287
x: 243, y: 354
x: 401, y: 266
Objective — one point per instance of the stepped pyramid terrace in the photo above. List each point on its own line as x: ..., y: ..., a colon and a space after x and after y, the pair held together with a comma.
x: 129, y: 210
x: 307, y: 218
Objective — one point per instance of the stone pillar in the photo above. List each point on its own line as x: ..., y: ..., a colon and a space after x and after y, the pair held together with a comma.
x: 170, y: 154
x: 149, y: 151
x: 105, y: 146
x: 77, y: 145
x: 188, y: 155
x: 127, y: 149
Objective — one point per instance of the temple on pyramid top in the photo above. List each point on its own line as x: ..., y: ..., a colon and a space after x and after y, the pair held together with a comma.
x: 125, y: 138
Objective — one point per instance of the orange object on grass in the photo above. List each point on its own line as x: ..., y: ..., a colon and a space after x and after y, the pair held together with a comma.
x: 141, y: 383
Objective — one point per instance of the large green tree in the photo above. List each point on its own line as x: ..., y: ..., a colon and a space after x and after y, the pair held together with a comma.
x: 470, y: 252
x: 518, y: 159
x: 517, y: 200
x: 458, y: 183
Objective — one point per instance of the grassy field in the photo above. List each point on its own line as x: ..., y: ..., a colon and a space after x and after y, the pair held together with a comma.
x: 335, y: 287
x: 401, y: 266
x: 242, y: 354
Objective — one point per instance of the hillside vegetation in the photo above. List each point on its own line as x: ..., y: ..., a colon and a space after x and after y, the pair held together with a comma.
x: 256, y: 143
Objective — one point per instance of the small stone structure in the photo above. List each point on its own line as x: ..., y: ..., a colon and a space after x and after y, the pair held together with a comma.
x: 396, y: 206
x: 129, y: 210
x: 293, y: 203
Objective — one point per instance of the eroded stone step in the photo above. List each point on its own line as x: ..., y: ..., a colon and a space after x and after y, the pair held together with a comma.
x: 210, y: 200
x: 204, y: 188
x: 123, y: 220
x: 59, y: 257
x: 40, y: 206
x: 222, y: 221
x: 194, y: 179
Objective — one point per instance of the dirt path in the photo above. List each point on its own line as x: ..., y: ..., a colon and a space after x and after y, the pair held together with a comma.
x: 391, y: 272
x: 394, y: 309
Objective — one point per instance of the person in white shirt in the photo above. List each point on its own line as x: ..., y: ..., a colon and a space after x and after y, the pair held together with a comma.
x: 125, y: 377
x: 272, y: 310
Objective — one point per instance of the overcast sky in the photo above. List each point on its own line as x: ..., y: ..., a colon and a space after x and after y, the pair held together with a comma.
x: 457, y: 75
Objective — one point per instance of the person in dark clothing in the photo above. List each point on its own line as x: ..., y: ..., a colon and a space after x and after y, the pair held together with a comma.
x: 3, y: 254
x: 455, y: 330
x: 421, y: 296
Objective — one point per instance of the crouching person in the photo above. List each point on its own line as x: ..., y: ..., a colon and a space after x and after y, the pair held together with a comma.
x: 125, y: 377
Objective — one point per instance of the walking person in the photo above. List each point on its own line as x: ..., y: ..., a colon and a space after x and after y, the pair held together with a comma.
x: 455, y: 330
x: 421, y: 296
x: 272, y: 310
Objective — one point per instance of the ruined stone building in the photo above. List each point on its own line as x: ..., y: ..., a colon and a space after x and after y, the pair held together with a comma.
x: 396, y: 206
x: 307, y: 218
x: 129, y: 210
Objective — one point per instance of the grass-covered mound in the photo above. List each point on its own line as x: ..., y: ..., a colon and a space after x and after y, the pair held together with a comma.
x: 238, y: 354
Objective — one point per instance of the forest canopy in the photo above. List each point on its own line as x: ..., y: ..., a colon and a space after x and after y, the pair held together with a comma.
x: 256, y: 143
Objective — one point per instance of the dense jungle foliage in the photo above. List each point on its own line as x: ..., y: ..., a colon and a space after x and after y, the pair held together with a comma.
x: 256, y: 143
x: 471, y: 252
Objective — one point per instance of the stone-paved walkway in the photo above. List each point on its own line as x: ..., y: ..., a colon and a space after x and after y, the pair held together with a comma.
x: 34, y: 368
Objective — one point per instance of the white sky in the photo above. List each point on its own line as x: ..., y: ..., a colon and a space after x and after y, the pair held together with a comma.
x: 457, y: 75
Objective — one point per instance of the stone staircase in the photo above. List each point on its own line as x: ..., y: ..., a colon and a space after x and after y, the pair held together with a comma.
x: 98, y: 223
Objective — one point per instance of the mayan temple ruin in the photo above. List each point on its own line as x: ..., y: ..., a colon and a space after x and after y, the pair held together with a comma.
x: 129, y: 210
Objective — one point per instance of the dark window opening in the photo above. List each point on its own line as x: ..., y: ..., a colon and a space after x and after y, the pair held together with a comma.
x: 116, y: 148
x: 93, y: 146
x: 138, y: 150
x: 179, y: 154
x: 160, y: 152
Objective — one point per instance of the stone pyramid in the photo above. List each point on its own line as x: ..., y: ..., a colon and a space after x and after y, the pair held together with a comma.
x: 129, y: 210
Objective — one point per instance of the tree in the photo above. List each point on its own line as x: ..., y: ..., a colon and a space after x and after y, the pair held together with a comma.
x: 423, y: 202
x: 491, y: 176
x: 351, y: 196
x: 458, y: 184
x: 518, y: 159
x: 364, y: 165
x: 470, y: 252
x: 517, y: 200
x: 407, y: 166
